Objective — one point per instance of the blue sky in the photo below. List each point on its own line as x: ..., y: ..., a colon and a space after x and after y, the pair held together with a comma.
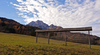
x: 65, y: 13
x: 8, y: 10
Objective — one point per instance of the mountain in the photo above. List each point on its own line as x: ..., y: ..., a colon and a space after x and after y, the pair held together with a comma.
x: 43, y: 25
x: 54, y: 27
x: 39, y: 24
x: 11, y: 26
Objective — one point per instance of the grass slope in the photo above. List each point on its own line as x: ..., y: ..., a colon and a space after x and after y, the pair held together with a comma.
x: 17, y: 44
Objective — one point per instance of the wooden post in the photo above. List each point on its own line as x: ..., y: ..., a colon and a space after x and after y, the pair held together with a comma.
x: 54, y: 35
x: 65, y: 38
x: 48, y: 37
x: 89, y: 40
x: 36, y: 36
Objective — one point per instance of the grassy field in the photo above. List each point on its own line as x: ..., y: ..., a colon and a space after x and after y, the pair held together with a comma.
x: 17, y: 44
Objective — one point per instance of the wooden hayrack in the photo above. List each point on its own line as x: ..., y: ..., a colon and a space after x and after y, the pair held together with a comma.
x: 64, y: 30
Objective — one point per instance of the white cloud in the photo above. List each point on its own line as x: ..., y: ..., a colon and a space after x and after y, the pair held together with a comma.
x: 97, y: 5
x: 72, y: 13
x: 20, y: 0
x: 49, y: 0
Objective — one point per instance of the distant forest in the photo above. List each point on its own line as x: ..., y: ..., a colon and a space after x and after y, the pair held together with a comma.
x: 11, y: 26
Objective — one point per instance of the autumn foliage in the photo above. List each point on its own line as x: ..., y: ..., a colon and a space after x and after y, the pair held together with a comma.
x: 11, y: 26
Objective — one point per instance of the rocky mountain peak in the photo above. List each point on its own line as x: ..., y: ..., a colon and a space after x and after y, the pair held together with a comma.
x: 39, y: 24
x: 52, y: 25
x: 43, y: 25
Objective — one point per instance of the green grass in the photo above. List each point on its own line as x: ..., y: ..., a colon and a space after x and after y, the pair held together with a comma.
x: 17, y: 44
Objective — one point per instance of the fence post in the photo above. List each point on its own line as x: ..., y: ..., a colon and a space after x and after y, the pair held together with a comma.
x: 36, y: 36
x: 89, y: 40
x: 65, y: 38
x: 48, y: 37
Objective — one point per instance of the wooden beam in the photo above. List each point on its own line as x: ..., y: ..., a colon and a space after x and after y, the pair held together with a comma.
x: 48, y: 37
x: 65, y: 40
x: 89, y: 40
x: 36, y: 37
x: 64, y: 34
x: 66, y: 29
x: 54, y: 34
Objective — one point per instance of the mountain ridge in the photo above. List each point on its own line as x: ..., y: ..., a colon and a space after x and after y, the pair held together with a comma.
x: 43, y: 25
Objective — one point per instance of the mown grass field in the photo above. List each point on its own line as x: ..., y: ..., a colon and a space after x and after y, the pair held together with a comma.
x: 17, y: 44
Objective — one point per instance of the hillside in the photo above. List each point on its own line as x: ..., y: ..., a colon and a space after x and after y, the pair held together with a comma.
x: 17, y: 44
x: 43, y: 25
x: 11, y: 26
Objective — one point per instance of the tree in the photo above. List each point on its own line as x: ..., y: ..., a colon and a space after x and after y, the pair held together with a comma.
x: 0, y: 21
x: 11, y: 30
x: 3, y: 24
x: 6, y: 22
